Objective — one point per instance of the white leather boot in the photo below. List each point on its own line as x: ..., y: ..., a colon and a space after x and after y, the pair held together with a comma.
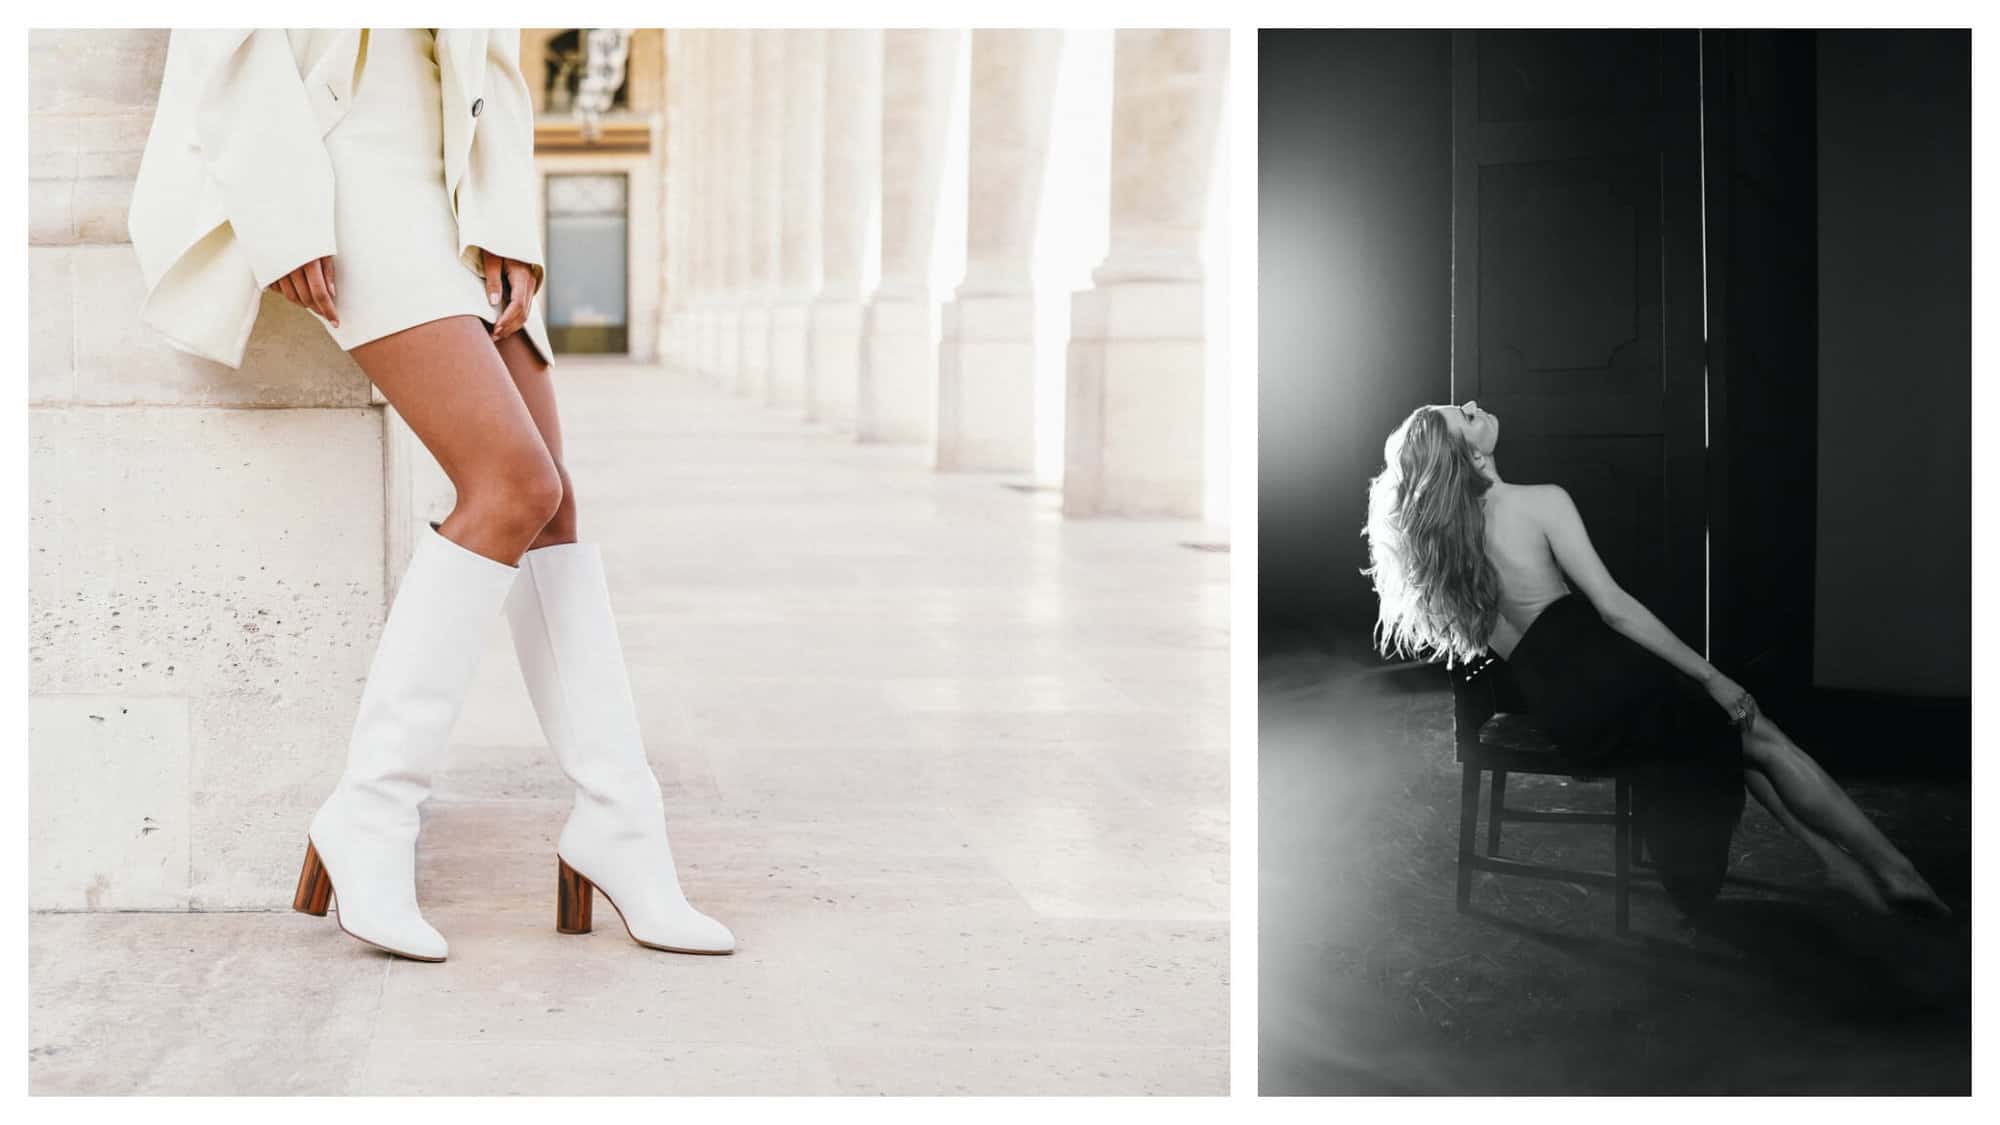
x: 615, y: 840
x: 361, y: 848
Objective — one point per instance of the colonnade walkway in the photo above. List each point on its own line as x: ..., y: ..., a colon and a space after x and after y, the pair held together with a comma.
x: 954, y: 768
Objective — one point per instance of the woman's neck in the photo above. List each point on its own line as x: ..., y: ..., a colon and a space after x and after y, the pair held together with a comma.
x: 1491, y: 470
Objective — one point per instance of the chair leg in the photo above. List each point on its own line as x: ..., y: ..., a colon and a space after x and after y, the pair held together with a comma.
x: 1638, y: 838
x: 1468, y: 828
x: 1623, y: 857
x: 1496, y: 812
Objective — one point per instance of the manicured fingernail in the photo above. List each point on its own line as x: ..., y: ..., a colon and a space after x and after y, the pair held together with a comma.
x: 493, y: 299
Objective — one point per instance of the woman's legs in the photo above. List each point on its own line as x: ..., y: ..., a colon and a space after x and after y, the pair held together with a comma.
x: 614, y: 842
x: 1816, y: 806
x: 537, y: 390
x: 449, y: 383
x: 1843, y: 871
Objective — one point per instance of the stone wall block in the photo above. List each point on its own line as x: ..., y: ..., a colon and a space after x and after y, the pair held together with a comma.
x: 108, y: 802
x: 51, y: 327
x: 291, y: 360
x: 230, y: 559
x: 51, y: 212
x: 95, y: 70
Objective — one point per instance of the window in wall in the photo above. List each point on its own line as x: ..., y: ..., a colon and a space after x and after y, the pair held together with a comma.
x: 587, y: 307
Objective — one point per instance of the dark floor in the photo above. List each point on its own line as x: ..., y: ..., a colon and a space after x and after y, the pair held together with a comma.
x: 1373, y: 983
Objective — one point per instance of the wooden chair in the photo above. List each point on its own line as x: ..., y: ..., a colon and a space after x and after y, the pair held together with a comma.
x: 1494, y: 734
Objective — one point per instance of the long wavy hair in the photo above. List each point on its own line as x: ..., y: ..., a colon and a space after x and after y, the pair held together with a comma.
x: 1438, y: 595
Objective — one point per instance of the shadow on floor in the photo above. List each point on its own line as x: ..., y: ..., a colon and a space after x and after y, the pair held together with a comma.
x: 1373, y: 983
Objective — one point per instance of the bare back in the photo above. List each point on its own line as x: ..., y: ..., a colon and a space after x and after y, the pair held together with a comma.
x: 1518, y: 546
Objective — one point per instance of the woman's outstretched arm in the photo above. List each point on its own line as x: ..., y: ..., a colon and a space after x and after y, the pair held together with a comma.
x: 1571, y: 543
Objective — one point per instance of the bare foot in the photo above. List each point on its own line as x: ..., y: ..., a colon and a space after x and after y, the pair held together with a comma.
x: 1845, y: 874
x: 1908, y: 892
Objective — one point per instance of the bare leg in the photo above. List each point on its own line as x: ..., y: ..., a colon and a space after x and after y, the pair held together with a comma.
x: 1843, y: 872
x: 537, y: 389
x: 446, y: 379
x: 1819, y: 804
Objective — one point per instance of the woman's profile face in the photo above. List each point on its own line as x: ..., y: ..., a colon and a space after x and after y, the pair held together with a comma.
x: 1474, y: 426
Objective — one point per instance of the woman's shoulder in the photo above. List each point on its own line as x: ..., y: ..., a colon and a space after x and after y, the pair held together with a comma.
x: 1537, y: 496
x: 1538, y: 504
x: 1505, y: 492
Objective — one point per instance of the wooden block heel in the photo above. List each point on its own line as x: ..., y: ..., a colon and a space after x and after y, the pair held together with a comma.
x: 315, y: 885
x: 573, y: 900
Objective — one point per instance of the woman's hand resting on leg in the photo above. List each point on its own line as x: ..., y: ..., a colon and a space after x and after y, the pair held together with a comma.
x: 511, y: 282
x: 1730, y: 696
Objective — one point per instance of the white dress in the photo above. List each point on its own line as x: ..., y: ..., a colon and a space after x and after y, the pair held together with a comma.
x: 396, y: 261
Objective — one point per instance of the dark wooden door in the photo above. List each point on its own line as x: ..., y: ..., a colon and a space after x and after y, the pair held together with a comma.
x: 1763, y: 350
x: 1577, y: 288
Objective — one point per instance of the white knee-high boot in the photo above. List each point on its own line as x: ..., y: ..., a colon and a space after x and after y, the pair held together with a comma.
x: 615, y: 840
x: 361, y: 845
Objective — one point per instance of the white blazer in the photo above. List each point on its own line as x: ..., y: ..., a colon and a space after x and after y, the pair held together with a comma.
x: 235, y: 188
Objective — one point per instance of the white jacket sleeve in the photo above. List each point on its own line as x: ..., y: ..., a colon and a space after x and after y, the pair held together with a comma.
x: 261, y: 144
x: 496, y: 205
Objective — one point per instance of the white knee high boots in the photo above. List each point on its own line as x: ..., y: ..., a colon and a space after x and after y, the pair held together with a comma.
x: 615, y: 840
x: 361, y: 845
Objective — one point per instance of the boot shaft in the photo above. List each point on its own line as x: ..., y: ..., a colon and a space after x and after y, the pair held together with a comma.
x: 424, y: 661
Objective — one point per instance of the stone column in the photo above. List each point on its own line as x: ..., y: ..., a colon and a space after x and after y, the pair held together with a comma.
x: 673, y: 250
x: 710, y: 222
x: 801, y: 176
x: 852, y: 155
x: 695, y: 243
x: 898, y: 357
x: 1134, y: 430
x: 700, y: 229
x: 760, y: 190
x: 210, y: 547
x: 986, y: 358
x: 737, y: 61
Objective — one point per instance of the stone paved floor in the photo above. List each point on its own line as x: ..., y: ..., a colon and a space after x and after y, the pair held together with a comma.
x: 954, y: 769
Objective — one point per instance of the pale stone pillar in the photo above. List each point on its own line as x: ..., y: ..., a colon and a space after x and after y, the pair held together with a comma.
x: 737, y: 60
x: 852, y: 155
x: 702, y: 267
x: 209, y: 547
x: 760, y: 188
x: 710, y: 223
x: 898, y: 357
x: 1137, y: 363
x: 986, y: 357
x: 700, y: 261
x: 673, y: 260
x: 801, y: 176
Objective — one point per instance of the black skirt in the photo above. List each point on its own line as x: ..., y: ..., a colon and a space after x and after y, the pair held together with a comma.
x: 1610, y: 703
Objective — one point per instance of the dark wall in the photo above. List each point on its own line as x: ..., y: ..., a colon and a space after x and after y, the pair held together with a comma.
x: 1354, y: 293
x: 1893, y: 612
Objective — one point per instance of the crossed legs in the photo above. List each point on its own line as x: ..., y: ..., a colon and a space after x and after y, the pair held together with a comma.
x: 487, y: 412
x: 1811, y: 805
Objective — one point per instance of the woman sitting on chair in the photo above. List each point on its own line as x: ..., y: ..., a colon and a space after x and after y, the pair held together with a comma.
x: 1464, y: 562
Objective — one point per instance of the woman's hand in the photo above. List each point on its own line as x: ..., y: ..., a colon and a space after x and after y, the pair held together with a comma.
x: 1731, y: 697
x: 311, y: 288
x: 513, y: 282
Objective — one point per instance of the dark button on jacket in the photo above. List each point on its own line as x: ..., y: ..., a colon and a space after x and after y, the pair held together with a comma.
x: 477, y: 105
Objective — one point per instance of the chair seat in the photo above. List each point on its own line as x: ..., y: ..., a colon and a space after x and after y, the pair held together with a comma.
x: 1517, y: 734
x: 1515, y: 743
